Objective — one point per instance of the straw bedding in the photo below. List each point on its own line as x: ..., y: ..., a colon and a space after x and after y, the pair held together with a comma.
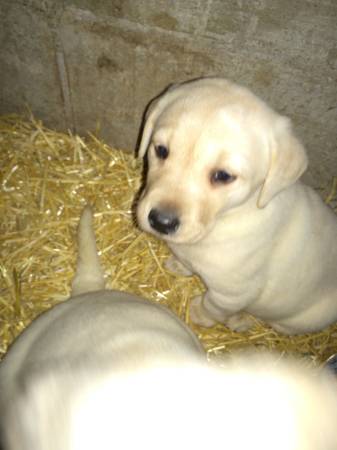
x: 46, y: 179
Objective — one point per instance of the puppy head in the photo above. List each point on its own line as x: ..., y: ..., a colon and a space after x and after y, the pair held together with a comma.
x: 213, y: 148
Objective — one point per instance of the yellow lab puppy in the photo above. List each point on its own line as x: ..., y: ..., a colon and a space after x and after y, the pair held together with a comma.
x: 66, y: 352
x: 222, y: 189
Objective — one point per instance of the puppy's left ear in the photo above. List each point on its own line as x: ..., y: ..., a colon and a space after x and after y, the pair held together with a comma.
x: 288, y: 161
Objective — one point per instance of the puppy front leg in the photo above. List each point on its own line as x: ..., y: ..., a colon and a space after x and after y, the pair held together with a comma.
x: 174, y: 265
x: 239, y: 322
x: 205, y: 312
x: 199, y: 313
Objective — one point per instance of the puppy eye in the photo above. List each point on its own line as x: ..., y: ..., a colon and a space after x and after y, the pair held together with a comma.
x: 221, y: 176
x: 161, y: 151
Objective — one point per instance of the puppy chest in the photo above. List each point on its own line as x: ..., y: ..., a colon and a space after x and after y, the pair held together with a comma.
x: 223, y: 268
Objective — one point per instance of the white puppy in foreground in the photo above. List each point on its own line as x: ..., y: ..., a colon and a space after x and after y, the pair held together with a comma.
x: 75, y: 342
x: 222, y: 189
x: 252, y: 404
x: 107, y: 371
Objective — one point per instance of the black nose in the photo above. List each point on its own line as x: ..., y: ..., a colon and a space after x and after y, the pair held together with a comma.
x: 166, y: 222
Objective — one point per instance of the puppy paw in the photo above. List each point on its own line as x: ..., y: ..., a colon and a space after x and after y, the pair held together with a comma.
x: 198, y: 314
x: 239, y: 322
x: 174, y: 265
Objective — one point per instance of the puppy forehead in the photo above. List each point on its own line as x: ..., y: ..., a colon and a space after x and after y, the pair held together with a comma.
x: 197, y: 101
x: 208, y: 95
x: 218, y: 138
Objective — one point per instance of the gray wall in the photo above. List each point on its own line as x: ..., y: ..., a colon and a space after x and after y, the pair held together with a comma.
x: 78, y: 63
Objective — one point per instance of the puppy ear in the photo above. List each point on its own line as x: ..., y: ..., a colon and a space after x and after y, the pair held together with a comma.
x: 151, y: 114
x: 153, y: 111
x: 288, y: 161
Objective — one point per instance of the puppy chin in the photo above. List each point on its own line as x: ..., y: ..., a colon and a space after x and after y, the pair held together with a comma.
x: 180, y: 238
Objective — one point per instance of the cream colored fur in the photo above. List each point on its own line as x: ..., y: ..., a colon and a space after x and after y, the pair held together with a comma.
x: 263, y: 243
x: 106, y: 370
x: 66, y: 351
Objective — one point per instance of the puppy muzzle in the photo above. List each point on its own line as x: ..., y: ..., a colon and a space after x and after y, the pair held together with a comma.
x: 163, y: 221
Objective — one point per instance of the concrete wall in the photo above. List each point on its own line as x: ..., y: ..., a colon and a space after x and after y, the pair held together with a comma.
x: 81, y: 64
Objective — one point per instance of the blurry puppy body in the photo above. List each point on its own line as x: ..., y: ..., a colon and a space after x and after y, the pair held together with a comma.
x: 223, y: 191
x: 248, y: 404
x: 74, y: 342
x: 106, y: 370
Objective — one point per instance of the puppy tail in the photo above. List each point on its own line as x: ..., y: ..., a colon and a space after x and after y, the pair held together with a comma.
x: 89, y: 275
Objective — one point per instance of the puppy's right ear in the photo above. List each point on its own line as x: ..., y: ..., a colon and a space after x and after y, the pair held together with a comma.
x: 153, y: 111
x: 151, y: 115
